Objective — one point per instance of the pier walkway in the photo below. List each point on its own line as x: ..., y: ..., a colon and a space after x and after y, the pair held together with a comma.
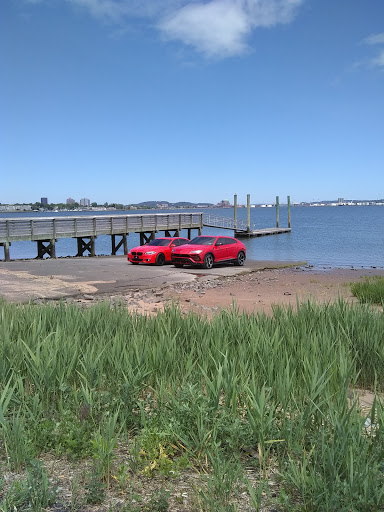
x: 47, y: 230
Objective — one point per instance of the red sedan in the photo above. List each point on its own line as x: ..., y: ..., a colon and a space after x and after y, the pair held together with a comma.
x: 156, y: 251
x: 207, y: 250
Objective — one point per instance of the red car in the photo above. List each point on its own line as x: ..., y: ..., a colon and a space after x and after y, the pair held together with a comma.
x: 207, y: 250
x: 156, y: 251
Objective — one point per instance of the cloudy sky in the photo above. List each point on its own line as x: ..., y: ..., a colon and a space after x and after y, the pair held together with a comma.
x: 191, y: 100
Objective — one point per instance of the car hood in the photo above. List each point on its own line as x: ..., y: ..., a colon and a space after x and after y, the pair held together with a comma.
x: 146, y: 248
x: 190, y: 247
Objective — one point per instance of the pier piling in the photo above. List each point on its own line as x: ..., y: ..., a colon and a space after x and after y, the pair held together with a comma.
x: 277, y: 211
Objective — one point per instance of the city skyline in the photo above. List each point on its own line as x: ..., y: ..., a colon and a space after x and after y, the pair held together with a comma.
x: 224, y: 203
x: 186, y: 99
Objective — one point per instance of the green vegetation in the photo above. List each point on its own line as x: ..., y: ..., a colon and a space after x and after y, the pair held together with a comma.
x: 270, y: 394
x: 370, y: 290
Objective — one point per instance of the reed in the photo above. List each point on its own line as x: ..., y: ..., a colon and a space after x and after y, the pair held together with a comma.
x: 76, y: 381
x: 370, y: 290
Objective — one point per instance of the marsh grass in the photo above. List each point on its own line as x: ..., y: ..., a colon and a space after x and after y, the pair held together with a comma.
x: 234, y: 392
x: 370, y: 290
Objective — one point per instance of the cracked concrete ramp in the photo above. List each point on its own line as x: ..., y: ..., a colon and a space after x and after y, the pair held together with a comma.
x: 25, y: 280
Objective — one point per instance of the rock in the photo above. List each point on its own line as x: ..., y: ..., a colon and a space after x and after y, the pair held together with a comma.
x: 88, y: 297
x: 287, y: 293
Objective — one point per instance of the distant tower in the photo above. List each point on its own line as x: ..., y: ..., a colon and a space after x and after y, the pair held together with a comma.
x: 85, y: 202
x: 70, y: 201
x: 340, y: 201
x: 44, y: 201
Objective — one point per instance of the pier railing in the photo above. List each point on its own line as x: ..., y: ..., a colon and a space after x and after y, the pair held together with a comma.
x: 38, y: 228
x: 46, y: 231
x: 217, y: 221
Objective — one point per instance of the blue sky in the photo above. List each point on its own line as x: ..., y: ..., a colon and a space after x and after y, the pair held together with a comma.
x: 130, y: 100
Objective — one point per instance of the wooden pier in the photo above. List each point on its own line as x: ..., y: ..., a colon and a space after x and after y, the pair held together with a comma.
x: 242, y: 228
x: 261, y: 232
x: 45, y: 231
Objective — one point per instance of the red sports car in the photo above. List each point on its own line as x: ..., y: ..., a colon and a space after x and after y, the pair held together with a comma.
x: 207, y: 250
x: 156, y: 251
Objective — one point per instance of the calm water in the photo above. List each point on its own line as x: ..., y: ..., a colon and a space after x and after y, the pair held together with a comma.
x: 348, y: 236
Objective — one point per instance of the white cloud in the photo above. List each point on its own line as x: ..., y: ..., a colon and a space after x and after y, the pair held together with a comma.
x: 378, y: 61
x: 375, y: 39
x: 218, y: 28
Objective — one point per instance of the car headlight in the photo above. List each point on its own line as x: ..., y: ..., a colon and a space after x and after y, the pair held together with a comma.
x: 150, y: 252
x: 197, y: 251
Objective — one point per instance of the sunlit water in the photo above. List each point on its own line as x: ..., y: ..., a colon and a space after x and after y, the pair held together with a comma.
x: 348, y: 236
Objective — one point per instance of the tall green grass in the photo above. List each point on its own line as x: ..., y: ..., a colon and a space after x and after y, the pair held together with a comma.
x: 370, y: 290
x: 187, y: 389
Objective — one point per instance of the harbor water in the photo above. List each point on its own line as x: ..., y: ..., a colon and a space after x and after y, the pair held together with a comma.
x: 324, y: 237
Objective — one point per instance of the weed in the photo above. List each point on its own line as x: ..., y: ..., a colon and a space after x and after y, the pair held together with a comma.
x: 158, y: 502
x: 16, y: 443
x: 94, y: 488
x: 104, y: 443
x: 35, y: 493
x: 189, y: 390
x: 370, y: 290
x: 222, y: 483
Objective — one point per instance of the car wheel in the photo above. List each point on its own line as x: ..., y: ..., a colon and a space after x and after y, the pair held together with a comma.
x: 208, y: 261
x: 160, y: 259
x: 240, y: 259
x: 178, y: 265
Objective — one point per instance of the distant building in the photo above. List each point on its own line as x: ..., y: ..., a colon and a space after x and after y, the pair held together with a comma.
x: 85, y: 202
x: 44, y: 200
x: 224, y: 204
x: 70, y: 201
x: 340, y: 201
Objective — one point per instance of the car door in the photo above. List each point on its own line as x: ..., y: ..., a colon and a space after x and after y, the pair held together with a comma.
x: 220, y: 249
x: 232, y: 249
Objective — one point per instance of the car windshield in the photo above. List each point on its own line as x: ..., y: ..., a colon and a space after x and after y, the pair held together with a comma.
x: 160, y: 241
x: 203, y: 240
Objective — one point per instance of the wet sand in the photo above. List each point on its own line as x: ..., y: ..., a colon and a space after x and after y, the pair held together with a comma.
x: 257, y: 286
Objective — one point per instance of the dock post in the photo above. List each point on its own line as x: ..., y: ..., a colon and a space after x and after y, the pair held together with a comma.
x: 289, y: 210
x: 49, y: 249
x: 235, y: 211
x: 277, y: 211
x: 53, y: 248
x: 248, y: 213
x: 6, y: 251
x: 83, y: 245
x: 116, y: 246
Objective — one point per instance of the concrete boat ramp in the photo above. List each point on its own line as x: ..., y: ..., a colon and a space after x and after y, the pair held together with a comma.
x: 54, y: 279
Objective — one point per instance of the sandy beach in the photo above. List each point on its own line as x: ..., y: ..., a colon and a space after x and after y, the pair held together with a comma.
x: 261, y: 290
x: 257, y: 286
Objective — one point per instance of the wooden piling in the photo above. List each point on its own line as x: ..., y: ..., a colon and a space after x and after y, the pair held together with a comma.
x: 122, y: 242
x: 289, y: 210
x: 277, y: 211
x: 6, y: 251
x: 235, y: 211
x: 46, y: 247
